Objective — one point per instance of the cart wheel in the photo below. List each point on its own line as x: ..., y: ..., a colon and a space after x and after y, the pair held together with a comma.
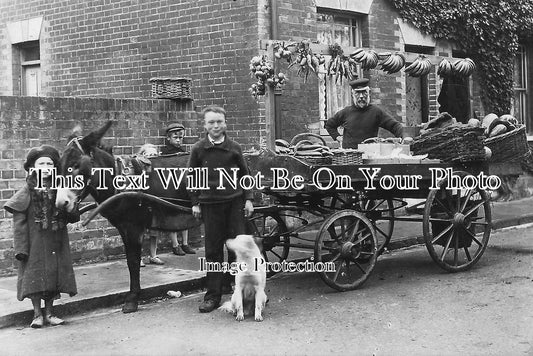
x: 457, y: 225
x: 380, y: 212
x: 271, y: 228
x: 348, y: 240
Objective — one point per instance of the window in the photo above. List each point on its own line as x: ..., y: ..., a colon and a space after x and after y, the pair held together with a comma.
x: 519, y: 107
x: 334, y: 28
x: 30, y: 68
x: 344, y: 29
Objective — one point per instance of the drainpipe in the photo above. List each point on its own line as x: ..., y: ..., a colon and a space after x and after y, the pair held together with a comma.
x: 274, y: 36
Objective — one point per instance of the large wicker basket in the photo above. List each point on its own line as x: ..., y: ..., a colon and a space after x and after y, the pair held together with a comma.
x: 347, y: 157
x: 451, y: 144
x: 510, y: 146
x: 171, y: 88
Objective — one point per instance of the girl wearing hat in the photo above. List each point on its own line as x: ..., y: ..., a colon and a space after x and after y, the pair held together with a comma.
x: 41, y: 241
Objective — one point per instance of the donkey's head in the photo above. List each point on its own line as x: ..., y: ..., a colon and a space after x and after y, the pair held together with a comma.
x: 82, y: 154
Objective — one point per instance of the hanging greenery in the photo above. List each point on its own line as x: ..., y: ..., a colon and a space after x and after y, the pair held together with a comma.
x: 488, y: 30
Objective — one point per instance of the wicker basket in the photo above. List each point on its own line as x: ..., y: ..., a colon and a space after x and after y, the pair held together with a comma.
x: 451, y: 144
x: 171, y: 88
x: 315, y: 160
x: 510, y: 146
x: 348, y: 157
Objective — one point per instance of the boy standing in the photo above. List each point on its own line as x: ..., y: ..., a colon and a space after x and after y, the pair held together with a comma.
x: 221, y: 209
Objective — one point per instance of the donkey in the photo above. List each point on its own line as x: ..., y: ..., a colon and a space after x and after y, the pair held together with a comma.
x: 131, y: 212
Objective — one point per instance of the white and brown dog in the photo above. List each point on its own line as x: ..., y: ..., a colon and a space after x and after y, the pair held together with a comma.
x: 250, y: 280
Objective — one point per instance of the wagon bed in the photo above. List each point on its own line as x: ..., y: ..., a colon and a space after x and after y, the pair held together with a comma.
x: 353, y: 225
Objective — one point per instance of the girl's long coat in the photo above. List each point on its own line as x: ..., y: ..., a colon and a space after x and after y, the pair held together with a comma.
x: 49, y: 264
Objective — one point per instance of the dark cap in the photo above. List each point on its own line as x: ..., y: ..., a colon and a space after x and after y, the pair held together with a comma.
x: 359, y: 84
x: 42, y: 151
x: 175, y: 126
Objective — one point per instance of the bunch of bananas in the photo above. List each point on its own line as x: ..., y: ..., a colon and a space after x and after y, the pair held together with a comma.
x: 445, y: 68
x: 464, y: 67
x: 368, y: 59
x: 391, y: 63
x: 421, y: 66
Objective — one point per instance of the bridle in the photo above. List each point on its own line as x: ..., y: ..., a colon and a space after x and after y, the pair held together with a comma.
x: 87, y: 187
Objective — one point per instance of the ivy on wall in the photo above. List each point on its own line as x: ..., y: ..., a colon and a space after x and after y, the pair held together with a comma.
x: 488, y: 30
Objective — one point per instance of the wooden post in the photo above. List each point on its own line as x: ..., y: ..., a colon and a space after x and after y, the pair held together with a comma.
x: 270, y: 109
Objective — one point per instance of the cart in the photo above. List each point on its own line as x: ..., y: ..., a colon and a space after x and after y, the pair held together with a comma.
x: 352, y: 227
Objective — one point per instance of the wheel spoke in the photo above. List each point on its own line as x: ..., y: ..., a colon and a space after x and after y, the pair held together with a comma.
x: 363, y: 239
x: 467, y: 198
x: 443, y: 232
x: 473, y: 237
x: 441, y: 204
x: 337, y: 271
x: 473, y: 209
x: 359, y: 266
x: 440, y: 220
x: 276, y: 254
x: 445, y: 252
x: 467, y: 253
x: 380, y: 231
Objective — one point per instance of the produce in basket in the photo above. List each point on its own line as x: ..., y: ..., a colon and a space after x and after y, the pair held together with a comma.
x: 488, y: 119
x: 498, y: 127
x: 442, y: 120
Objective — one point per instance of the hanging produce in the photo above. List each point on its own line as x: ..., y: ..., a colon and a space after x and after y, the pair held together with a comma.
x: 391, y: 62
x: 463, y: 67
x: 340, y: 65
x: 262, y: 70
x: 445, y: 68
x: 421, y: 66
x: 306, y: 60
x: 369, y: 59
x: 282, y: 50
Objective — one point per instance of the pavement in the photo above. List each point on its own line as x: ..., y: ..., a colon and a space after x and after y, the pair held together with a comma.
x: 103, y: 285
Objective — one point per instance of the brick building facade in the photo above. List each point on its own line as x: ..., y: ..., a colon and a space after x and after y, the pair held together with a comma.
x: 100, y: 49
x: 112, y: 49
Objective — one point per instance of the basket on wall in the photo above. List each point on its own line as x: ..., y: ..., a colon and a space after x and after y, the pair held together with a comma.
x: 510, y: 146
x: 171, y: 88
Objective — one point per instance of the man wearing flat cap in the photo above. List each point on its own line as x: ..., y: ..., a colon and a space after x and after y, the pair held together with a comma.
x: 361, y: 120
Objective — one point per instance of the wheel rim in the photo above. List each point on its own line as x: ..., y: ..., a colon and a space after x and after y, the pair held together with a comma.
x: 347, y: 240
x: 272, y: 230
x: 457, y: 226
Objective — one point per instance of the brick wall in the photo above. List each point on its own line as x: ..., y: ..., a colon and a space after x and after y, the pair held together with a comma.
x: 29, y: 121
x: 105, y: 48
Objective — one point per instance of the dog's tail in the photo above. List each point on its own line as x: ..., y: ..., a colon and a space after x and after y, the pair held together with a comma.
x: 227, y: 307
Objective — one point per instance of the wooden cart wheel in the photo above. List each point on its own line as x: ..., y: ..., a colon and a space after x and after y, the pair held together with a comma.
x: 347, y: 241
x: 271, y: 228
x: 457, y: 225
x: 380, y: 212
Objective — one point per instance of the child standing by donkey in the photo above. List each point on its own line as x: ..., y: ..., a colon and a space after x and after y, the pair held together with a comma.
x: 40, y: 237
